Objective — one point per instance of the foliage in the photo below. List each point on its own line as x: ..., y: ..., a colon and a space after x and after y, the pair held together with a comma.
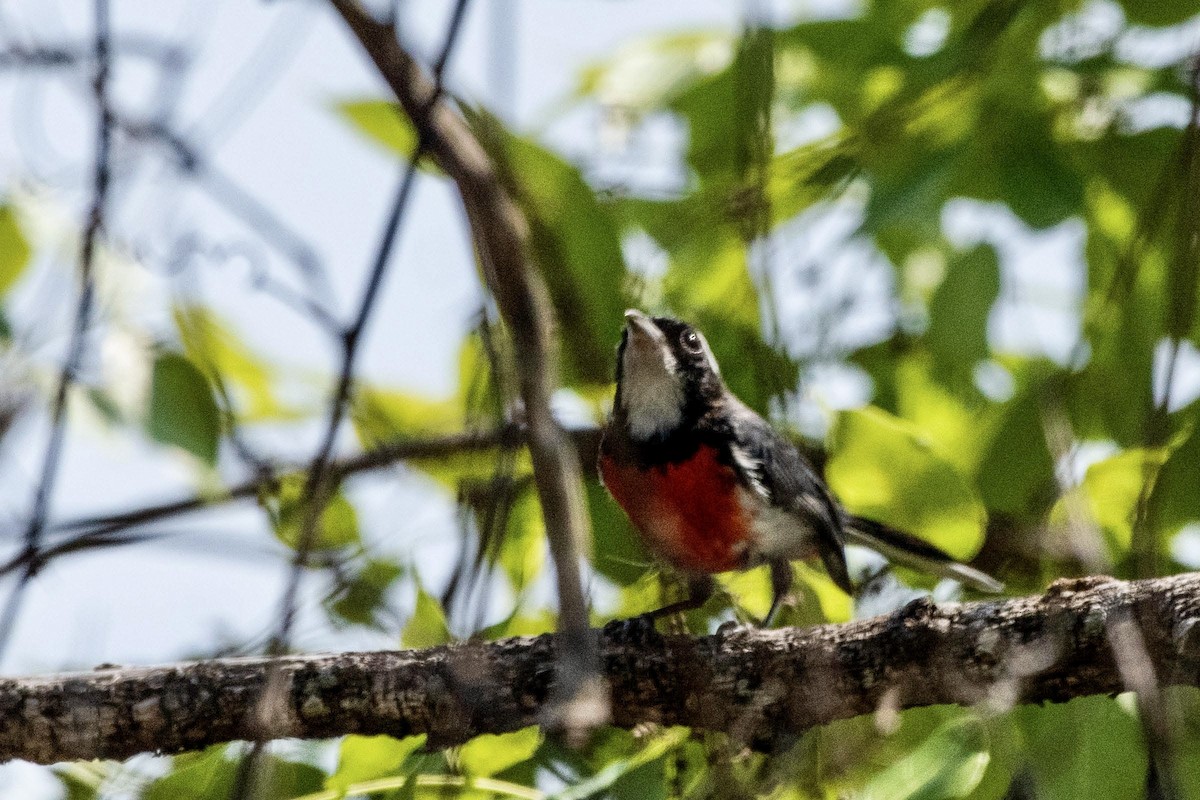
x: 941, y: 138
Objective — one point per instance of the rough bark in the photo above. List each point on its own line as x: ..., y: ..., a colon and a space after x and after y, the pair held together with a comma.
x: 756, y: 685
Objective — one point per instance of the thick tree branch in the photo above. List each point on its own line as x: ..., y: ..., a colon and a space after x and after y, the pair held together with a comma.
x: 755, y: 685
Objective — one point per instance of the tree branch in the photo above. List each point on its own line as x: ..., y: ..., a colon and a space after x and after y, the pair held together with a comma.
x: 501, y: 232
x: 755, y: 685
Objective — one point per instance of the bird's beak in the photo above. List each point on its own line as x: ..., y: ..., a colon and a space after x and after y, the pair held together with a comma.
x: 642, y: 329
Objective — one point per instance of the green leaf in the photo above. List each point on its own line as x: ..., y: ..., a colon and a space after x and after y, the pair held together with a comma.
x: 288, y: 510
x: 1112, y: 490
x: 210, y: 775
x: 649, y: 73
x: 226, y: 361
x: 361, y: 758
x: 427, y: 626
x: 384, y: 123
x: 15, y: 250
x: 182, y: 409
x: 576, y: 243
x: 1173, y: 500
x: 489, y: 754
x: 1016, y: 472
x: 616, y: 769
x: 385, y: 415
x: 882, y: 468
x: 1158, y: 12
x: 359, y: 598
x: 958, y: 315
x: 523, y: 551
x: 948, y: 764
x: 1089, y: 747
x: 618, y: 553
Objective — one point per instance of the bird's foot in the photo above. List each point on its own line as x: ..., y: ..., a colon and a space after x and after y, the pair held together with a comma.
x: 635, y: 631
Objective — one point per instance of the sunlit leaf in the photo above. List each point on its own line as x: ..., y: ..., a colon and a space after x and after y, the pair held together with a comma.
x: 384, y: 123
x: 289, y: 508
x: 1112, y: 490
x: 1089, y: 747
x: 948, y: 764
x: 427, y: 626
x: 361, y: 758
x: 383, y: 415
x: 225, y: 360
x: 1175, y: 499
x: 618, y: 551
x: 523, y: 550
x: 211, y: 775
x: 488, y: 754
x: 647, y: 73
x: 359, y: 598
x: 881, y: 468
x: 182, y: 410
x: 15, y: 250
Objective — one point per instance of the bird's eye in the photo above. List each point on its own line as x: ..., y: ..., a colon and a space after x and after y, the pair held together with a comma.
x: 690, y: 341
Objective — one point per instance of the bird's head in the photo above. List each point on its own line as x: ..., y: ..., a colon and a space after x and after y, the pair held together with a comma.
x: 666, y: 375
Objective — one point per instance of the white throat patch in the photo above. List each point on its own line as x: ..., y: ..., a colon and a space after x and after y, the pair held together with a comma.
x: 651, y: 391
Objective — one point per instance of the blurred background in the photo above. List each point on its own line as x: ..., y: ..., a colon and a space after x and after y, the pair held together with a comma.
x: 952, y: 248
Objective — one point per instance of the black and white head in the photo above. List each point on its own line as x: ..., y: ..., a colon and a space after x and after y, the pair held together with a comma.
x: 666, y: 375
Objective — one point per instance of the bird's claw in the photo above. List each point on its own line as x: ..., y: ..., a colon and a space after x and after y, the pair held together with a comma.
x: 637, y: 630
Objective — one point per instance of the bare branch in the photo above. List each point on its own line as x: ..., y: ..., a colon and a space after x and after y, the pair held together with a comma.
x: 756, y: 685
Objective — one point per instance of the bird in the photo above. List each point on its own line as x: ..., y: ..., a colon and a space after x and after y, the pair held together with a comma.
x: 712, y: 487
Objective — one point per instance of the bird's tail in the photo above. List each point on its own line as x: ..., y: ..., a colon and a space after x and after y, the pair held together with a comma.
x: 909, y: 551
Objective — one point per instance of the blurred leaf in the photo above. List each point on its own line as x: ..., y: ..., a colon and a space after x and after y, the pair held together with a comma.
x: 427, y: 626
x: 489, y: 754
x: 1175, y: 499
x: 958, y: 315
x: 618, y: 768
x: 1088, y: 747
x: 728, y: 114
x: 385, y: 415
x: 288, y: 509
x: 881, y: 468
x: 1016, y: 471
x: 618, y: 553
x: 1111, y: 397
x: 211, y: 776
x: 360, y: 597
x: 15, y: 250
x: 78, y: 782
x: 1112, y: 489
x: 182, y: 409
x: 384, y: 123
x: 648, y: 73
x: 576, y: 243
x: 948, y: 764
x: 226, y: 361
x: 523, y: 551
x: 361, y: 758
x: 1158, y: 12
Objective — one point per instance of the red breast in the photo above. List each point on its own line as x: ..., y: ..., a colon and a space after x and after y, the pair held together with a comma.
x: 690, y: 512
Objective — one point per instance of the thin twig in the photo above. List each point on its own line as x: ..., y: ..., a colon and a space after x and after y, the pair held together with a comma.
x: 321, y: 483
x: 88, y: 533
x: 33, y: 559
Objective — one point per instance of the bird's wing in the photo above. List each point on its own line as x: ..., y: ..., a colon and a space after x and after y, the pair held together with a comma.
x: 772, y: 467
